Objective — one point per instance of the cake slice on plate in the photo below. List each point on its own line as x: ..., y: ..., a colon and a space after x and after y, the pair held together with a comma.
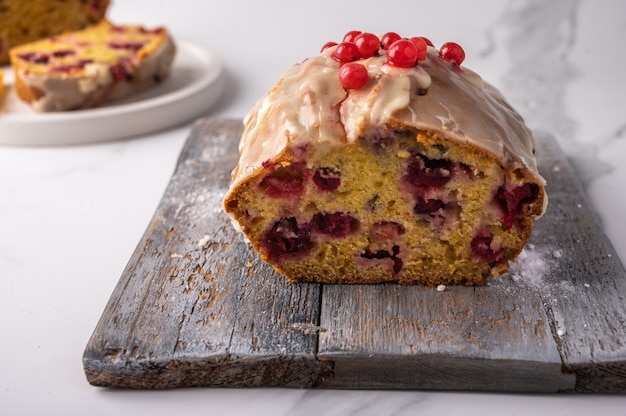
x: 86, y: 68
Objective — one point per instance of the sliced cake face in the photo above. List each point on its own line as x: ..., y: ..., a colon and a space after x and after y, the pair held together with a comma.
x: 397, y: 205
x: 415, y: 171
x: 26, y: 21
x: 86, y: 68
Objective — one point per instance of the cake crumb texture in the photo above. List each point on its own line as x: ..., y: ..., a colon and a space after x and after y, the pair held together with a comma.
x: 25, y: 21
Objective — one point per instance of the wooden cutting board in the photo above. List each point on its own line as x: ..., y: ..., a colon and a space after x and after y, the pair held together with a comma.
x: 196, y: 307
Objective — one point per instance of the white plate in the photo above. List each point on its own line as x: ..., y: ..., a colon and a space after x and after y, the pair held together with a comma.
x: 193, y: 86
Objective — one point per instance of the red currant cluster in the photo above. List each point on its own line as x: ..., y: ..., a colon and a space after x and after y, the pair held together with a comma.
x: 401, y: 52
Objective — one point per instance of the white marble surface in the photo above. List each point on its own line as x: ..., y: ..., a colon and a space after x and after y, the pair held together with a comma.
x: 71, y: 217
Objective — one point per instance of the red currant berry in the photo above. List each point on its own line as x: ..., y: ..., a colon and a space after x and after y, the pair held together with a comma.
x: 402, y: 53
x: 421, y: 46
x: 368, y: 44
x: 428, y: 42
x: 351, y: 35
x: 328, y: 45
x: 346, y: 52
x: 353, y: 75
x: 451, y: 51
x: 389, y: 38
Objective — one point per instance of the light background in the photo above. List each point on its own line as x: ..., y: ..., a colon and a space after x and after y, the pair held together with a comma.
x: 71, y: 217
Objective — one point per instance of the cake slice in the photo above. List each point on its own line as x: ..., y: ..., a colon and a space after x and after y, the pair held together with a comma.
x: 386, y: 160
x: 86, y: 68
x: 26, y: 21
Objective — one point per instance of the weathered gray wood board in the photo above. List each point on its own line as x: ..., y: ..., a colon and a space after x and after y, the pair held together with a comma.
x: 196, y: 307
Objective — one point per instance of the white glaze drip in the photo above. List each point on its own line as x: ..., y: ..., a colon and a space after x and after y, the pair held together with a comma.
x: 309, y: 106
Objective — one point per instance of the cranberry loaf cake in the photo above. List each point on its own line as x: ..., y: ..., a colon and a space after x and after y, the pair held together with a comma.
x: 26, y: 21
x: 86, y: 68
x: 382, y: 159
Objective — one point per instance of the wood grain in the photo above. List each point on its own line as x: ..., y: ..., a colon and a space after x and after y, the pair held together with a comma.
x: 196, y: 307
x: 486, y: 338
x: 585, y: 296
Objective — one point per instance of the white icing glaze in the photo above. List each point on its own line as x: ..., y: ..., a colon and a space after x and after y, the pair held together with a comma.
x: 98, y: 75
x: 309, y: 106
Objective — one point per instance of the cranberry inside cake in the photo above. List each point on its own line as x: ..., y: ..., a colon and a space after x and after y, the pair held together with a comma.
x: 394, y: 180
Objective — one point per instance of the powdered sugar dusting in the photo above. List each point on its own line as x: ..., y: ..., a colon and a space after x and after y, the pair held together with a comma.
x: 203, y: 241
x: 532, y: 265
x: 539, y: 269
